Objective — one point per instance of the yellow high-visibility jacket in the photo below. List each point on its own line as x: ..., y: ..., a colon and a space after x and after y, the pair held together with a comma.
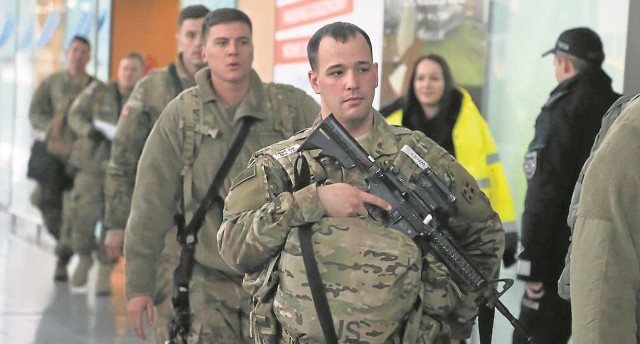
x: 476, y: 150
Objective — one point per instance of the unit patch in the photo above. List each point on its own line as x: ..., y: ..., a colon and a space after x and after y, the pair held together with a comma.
x: 530, y: 164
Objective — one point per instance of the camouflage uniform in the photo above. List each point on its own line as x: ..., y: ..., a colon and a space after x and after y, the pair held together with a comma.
x: 381, y: 288
x: 141, y: 111
x: 89, y: 157
x: 219, y: 303
x: 53, y: 92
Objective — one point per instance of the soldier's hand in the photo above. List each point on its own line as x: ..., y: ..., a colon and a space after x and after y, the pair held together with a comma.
x: 345, y: 200
x: 534, y: 290
x: 113, y: 242
x: 136, y: 306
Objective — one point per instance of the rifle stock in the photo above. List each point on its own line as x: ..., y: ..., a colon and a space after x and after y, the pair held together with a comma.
x: 417, y: 203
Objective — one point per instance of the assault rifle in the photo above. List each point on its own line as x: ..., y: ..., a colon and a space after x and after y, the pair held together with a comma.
x: 180, y: 324
x: 416, y: 205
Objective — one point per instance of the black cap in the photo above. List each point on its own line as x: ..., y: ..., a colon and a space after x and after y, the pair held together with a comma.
x: 580, y: 42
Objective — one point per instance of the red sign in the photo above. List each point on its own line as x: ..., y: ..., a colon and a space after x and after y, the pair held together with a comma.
x: 291, y: 50
x: 309, y: 11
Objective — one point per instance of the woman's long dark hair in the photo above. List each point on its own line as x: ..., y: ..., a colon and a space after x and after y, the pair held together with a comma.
x: 413, y: 115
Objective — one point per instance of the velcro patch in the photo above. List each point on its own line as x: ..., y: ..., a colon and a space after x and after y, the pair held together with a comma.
x: 245, y: 175
x: 468, y: 191
x: 530, y: 164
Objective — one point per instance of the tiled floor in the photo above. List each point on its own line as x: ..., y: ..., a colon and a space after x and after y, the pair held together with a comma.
x: 33, y: 309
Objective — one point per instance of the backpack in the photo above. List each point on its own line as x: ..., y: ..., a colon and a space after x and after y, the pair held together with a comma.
x: 59, y: 137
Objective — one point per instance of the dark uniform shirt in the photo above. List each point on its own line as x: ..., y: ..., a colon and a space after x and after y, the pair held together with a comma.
x: 564, y: 133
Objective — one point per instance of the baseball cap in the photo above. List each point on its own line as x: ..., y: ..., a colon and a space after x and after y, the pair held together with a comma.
x: 580, y: 42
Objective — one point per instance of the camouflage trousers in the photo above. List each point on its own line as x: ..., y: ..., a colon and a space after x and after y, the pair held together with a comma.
x: 83, y: 210
x: 49, y: 198
x: 220, y: 307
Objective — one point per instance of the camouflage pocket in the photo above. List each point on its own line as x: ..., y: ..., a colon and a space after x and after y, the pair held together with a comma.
x: 262, y: 286
x: 440, y: 295
x: 433, y: 331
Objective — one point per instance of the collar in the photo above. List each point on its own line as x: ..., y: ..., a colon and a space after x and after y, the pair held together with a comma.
x: 253, y: 104
x: 379, y: 142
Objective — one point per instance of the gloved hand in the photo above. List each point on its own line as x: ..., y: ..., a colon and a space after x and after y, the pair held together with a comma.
x: 96, y: 135
x: 510, y: 249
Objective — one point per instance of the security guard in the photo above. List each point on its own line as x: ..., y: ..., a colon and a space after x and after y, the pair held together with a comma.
x: 564, y: 133
x: 184, y: 150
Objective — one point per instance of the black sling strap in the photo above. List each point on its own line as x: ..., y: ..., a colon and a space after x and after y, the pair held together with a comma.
x: 175, y: 79
x: 302, y: 178
x: 211, y: 196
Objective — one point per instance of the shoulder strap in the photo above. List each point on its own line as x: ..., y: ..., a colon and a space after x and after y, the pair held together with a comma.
x: 175, y: 79
x: 190, y: 232
x: 318, y: 293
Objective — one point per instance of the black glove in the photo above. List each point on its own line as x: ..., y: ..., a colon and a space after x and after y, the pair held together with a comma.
x: 96, y: 135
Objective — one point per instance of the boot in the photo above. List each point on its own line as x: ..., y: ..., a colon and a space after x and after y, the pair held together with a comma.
x: 103, y: 284
x: 81, y: 274
x: 64, y: 256
x: 60, y: 274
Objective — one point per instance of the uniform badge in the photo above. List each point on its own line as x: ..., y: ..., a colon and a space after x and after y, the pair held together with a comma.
x: 286, y: 151
x: 530, y: 164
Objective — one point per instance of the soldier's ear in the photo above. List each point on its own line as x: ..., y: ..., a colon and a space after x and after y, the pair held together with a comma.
x: 313, y: 80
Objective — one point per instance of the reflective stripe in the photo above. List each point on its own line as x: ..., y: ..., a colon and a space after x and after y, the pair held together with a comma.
x: 510, y: 227
x: 39, y: 135
x: 524, y: 268
x: 493, y: 158
x: 483, y: 183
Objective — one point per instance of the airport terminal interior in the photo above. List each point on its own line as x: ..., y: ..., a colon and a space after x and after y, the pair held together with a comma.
x: 494, y: 48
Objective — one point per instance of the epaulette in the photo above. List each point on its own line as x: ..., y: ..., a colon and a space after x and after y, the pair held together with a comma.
x: 284, y: 148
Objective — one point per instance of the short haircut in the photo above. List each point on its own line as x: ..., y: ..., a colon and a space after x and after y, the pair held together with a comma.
x: 192, y: 12
x: 221, y: 16
x: 133, y: 55
x: 81, y: 39
x: 340, y: 31
x: 578, y: 63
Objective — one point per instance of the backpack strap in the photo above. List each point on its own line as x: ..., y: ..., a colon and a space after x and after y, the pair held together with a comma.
x: 175, y: 79
x: 193, y: 129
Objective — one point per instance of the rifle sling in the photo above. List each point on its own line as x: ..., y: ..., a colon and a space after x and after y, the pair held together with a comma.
x: 190, y: 233
x: 315, y: 284
x: 175, y: 79
x: 302, y: 178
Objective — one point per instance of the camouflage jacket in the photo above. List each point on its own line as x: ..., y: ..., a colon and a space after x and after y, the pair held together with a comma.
x: 51, y: 93
x: 375, y: 275
x: 280, y: 110
x: 97, y: 106
x: 149, y: 97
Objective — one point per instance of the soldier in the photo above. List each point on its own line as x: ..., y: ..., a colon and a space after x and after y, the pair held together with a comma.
x: 184, y: 150
x: 564, y: 133
x: 604, y: 259
x: 383, y: 288
x: 92, y: 115
x: 54, y: 92
x: 141, y: 111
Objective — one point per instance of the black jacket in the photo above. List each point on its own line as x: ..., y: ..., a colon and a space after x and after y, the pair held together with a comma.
x: 564, y: 133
